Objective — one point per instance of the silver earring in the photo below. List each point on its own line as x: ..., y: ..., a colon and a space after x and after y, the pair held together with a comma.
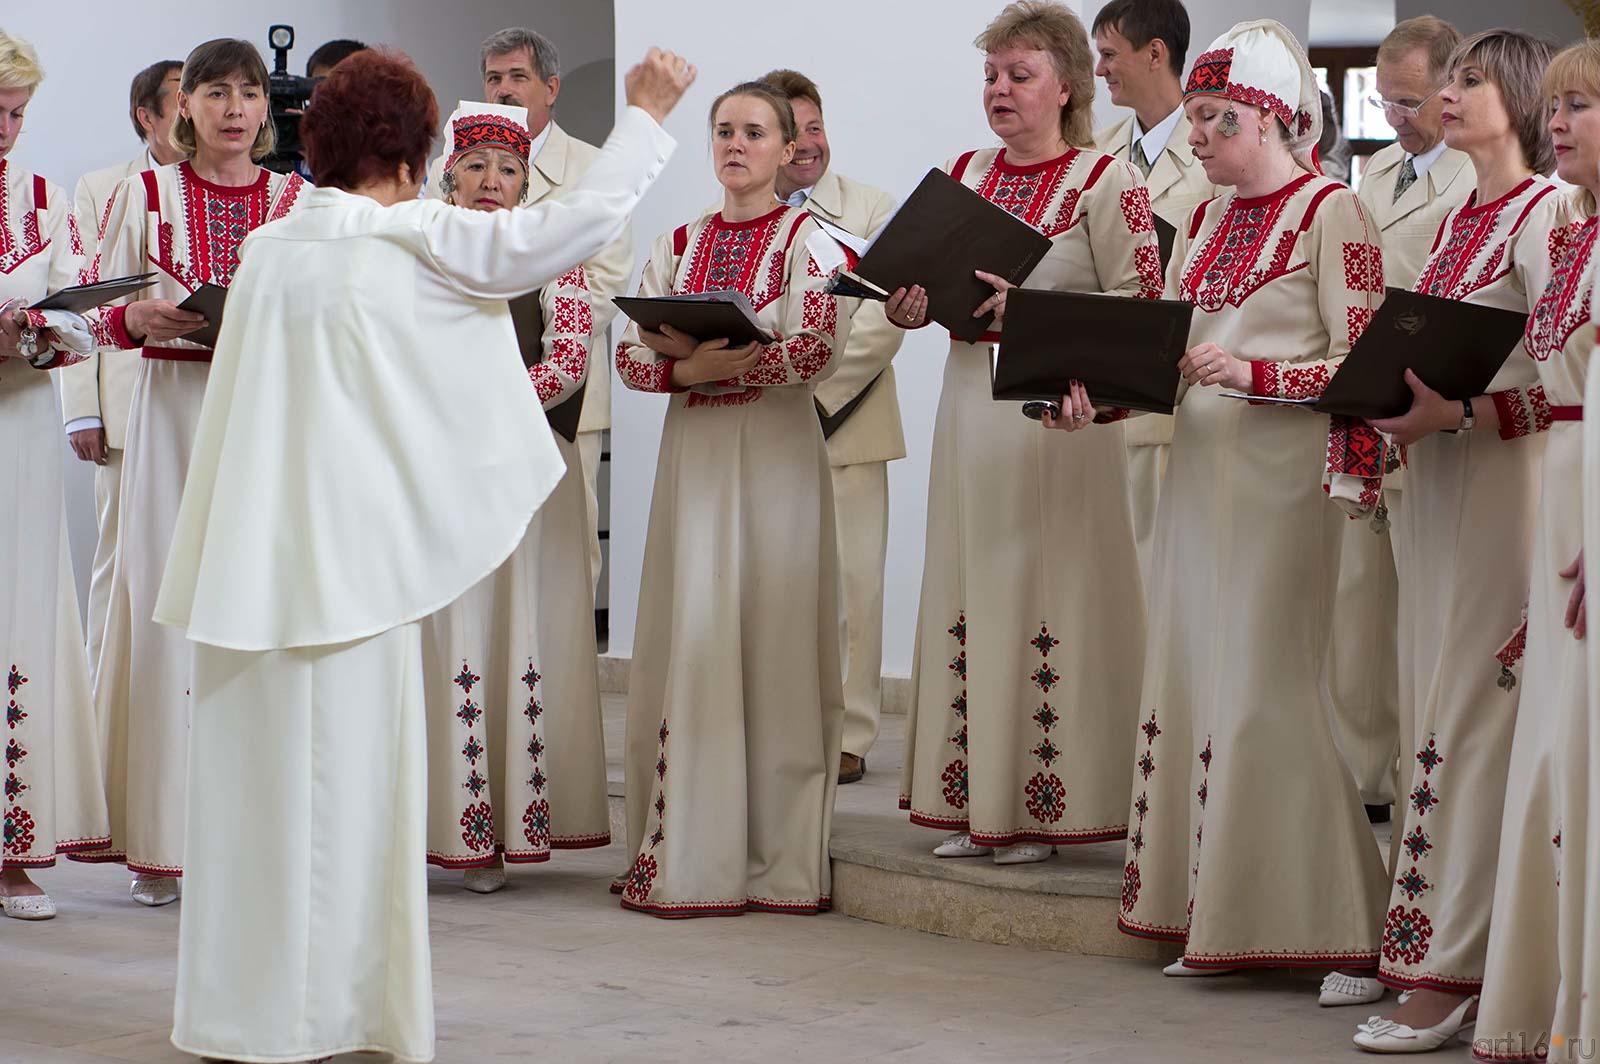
x: 1229, y: 126
x: 1263, y: 138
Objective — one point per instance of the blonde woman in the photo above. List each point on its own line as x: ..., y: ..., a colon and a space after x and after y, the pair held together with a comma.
x: 185, y: 223
x: 1031, y: 625
x: 52, y: 801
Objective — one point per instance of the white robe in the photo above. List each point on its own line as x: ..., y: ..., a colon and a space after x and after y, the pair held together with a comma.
x: 355, y: 470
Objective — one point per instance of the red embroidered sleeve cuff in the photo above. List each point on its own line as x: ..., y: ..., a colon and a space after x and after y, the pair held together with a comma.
x: 1289, y: 380
x: 1523, y: 411
x: 110, y: 330
x: 654, y: 376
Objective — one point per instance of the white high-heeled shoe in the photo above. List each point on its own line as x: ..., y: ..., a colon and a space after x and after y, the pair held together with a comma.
x: 28, y: 907
x: 1023, y: 853
x: 1178, y: 969
x: 960, y: 845
x: 1379, y: 1035
x: 1339, y: 989
x: 484, y: 880
x: 153, y: 891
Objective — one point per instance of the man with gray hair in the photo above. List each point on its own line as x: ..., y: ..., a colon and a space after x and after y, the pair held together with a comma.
x: 522, y: 69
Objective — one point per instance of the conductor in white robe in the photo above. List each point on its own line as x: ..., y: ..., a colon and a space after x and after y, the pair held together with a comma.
x: 366, y: 382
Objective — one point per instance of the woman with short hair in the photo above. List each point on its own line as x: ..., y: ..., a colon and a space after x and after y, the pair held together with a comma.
x: 52, y: 801
x: 1472, y: 493
x: 185, y: 223
x: 360, y: 462
x: 1025, y: 684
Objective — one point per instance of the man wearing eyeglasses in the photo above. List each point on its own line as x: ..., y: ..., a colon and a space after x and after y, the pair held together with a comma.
x: 1407, y: 189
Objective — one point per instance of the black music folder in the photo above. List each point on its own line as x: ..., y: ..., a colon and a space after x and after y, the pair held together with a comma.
x: 1455, y: 348
x: 1166, y: 235
x: 939, y: 237
x: 527, y: 317
x: 81, y: 297
x: 208, y: 299
x: 722, y: 315
x: 1125, y: 351
x: 833, y: 422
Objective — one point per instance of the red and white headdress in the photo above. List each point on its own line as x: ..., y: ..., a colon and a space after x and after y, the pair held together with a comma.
x: 1260, y: 63
x: 488, y: 125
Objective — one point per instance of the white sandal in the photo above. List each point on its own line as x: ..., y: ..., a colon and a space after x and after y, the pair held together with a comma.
x: 1339, y: 989
x: 28, y: 907
x: 1024, y: 853
x: 960, y: 845
x: 154, y: 891
x: 484, y: 880
x: 1379, y: 1035
x: 1178, y: 969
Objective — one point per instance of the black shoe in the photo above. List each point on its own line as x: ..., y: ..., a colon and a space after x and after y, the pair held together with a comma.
x: 1377, y: 814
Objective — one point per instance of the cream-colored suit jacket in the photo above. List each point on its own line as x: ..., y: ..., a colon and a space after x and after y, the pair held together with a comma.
x: 1410, y: 224
x: 1178, y: 184
x: 101, y: 385
x: 561, y: 161
x: 872, y: 433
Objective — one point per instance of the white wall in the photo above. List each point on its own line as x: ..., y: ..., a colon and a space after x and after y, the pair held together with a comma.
x: 78, y: 120
x: 902, y: 90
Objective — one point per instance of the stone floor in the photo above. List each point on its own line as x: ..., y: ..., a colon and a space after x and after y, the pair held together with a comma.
x: 551, y: 968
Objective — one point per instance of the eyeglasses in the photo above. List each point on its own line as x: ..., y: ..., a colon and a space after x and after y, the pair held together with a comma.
x: 1403, y: 110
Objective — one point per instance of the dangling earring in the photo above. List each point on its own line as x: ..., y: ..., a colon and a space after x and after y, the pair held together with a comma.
x: 1229, y: 126
x: 1263, y: 138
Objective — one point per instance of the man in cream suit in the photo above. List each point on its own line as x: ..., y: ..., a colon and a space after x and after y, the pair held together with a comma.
x: 96, y: 393
x: 860, y: 414
x: 1141, y: 46
x: 1407, y: 189
x: 521, y: 68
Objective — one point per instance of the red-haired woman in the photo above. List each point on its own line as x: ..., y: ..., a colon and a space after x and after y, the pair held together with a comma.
x: 322, y: 521
x: 185, y: 223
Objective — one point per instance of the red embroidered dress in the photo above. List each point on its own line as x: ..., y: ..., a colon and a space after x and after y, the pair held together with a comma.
x: 1463, y: 541
x: 1236, y: 744
x: 188, y: 231
x: 51, y: 800
x: 1521, y: 980
x: 736, y: 703
x: 1031, y: 627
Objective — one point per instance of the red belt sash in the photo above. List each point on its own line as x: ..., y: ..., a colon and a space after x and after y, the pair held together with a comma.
x: 178, y: 354
x: 1566, y: 413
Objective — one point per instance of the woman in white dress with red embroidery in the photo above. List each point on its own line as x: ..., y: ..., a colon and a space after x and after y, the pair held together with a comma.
x: 736, y: 702
x: 1463, y: 541
x: 1031, y: 623
x: 185, y: 223
x: 1530, y: 988
x: 52, y: 801
x: 517, y: 763
x: 1284, y: 273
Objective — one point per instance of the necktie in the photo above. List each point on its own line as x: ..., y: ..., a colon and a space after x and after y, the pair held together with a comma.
x: 1139, y: 160
x: 1407, y: 178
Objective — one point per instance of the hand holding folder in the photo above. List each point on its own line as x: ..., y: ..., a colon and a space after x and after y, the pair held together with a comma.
x: 1453, y: 347
x: 209, y: 300
x: 1124, y: 351
x: 939, y: 239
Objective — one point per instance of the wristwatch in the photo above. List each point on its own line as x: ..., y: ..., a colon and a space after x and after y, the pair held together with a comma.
x: 1467, y: 420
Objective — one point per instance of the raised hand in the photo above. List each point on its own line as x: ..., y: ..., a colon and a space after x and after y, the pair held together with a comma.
x: 657, y: 82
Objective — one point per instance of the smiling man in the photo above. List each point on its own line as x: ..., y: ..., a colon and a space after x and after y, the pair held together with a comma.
x: 1141, y: 46
x: 860, y: 416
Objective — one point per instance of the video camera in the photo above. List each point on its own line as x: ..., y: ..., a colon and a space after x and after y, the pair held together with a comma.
x: 288, y: 95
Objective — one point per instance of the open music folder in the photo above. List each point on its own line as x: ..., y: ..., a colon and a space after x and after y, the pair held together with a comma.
x: 939, y: 238
x: 1453, y: 347
x: 721, y: 315
x: 1124, y: 351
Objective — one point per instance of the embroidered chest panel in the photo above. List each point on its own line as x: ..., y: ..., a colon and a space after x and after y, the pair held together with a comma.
x: 1045, y: 197
x: 1564, y: 305
x: 1474, y: 252
x: 748, y: 258
x: 20, y: 238
x: 1251, y: 246
x: 215, y: 224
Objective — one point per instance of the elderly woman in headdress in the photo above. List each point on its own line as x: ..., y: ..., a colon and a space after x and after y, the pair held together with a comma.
x: 1250, y: 845
x: 516, y: 763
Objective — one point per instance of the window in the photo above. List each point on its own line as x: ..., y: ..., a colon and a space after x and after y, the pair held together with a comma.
x: 1350, y: 76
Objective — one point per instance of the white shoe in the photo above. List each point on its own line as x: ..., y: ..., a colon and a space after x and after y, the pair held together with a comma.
x: 161, y: 890
x: 28, y: 907
x: 1379, y: 1035
x: 1179, y: 969
x: 959, y: 845
x: 1340, y: 989
x: 484, y: 880
x: 1023, y: 853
